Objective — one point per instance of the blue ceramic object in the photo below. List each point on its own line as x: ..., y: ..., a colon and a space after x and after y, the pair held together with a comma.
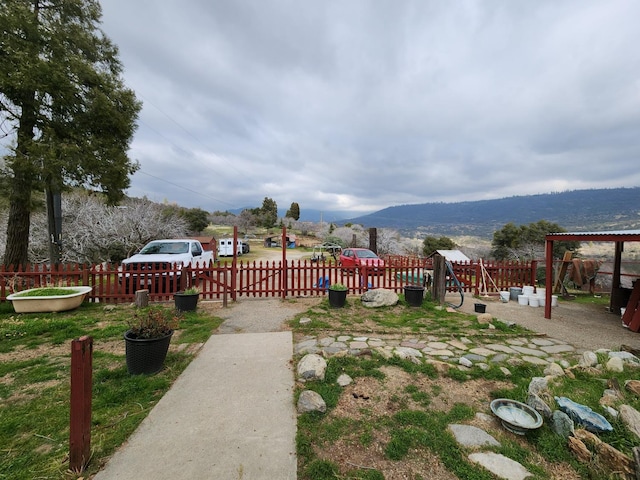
x: 583, y: 415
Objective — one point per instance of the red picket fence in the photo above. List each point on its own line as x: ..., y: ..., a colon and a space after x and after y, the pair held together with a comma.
x: 112, y: 284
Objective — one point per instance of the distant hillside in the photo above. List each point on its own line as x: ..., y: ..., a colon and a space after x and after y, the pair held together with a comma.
x: 578, y: 210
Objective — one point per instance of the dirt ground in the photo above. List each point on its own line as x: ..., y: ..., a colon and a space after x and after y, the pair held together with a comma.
x: 586, y: 327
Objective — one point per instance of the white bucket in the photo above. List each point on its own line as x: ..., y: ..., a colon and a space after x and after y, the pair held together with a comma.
x: 527, y: 290
x: 541, y: 299
x: 541, y: 292
x: 533, y: 301
x: 554, y: 300
x: 523, y: 300
x: 504, y: 296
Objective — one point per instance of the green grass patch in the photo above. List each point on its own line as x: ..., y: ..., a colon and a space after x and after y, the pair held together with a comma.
x: 47, y: 292
x: 34, y: 412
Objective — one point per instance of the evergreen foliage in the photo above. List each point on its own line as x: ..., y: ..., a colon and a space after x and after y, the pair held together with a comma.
x: 63, y: 104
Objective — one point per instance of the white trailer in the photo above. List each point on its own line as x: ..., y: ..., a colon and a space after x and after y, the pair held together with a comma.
x: 225, y: 247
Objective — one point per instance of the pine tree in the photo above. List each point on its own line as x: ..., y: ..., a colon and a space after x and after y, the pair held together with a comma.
x: 63, y: 105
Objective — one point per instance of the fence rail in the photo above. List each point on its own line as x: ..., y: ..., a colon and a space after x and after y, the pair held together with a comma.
x: 113, y: 283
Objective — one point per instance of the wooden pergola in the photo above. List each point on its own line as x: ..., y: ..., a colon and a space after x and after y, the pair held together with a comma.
x: 619, y: 237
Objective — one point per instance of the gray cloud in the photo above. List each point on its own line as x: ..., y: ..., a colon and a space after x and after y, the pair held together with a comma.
x: 361, y: 105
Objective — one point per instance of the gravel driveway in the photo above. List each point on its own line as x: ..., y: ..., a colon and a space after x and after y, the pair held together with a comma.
x: 587, y: 327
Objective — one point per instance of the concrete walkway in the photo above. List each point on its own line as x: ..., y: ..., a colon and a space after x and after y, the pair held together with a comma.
x: 229, y: 416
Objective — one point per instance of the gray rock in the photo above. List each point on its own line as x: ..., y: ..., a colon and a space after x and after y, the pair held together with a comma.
x: 304, y: 320
x: 534, y: 360
x: 538, y: 385
x: 561, y: 424
x: 310, y: 401
x: 485, y: 318
x: 542, y: 342
x: 470, y: 436
x: 612, y: 412
x: 554, y: 370
x: 505, y: 371
x: 407, y: 353
x: 529, y: 351
x: 306, y: 344
x: 500, y: 348
x: 539, y: 405
x: 615, y: 364
x: 629, y: 358
x: 588, y: 359
x: 379, y: 297
x: 631, y: 418
x: 475, y: 358
x: 326, y: 341
x: 558, y: 349
x: 499, y: 358
x: 465, y: 362
x: 312, y: 367
x: 500, y: 466
x: 344, y: 380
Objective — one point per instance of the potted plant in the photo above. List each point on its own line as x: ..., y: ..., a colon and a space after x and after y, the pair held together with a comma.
x: 147, y: 340
x: 413, y: 294
x: 337, y: 295
x: 187, y: 301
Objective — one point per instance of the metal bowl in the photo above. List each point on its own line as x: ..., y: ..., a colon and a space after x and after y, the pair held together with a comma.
x: 517, y: 417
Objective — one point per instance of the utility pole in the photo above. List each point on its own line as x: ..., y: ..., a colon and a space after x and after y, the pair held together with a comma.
x: 54, y: 220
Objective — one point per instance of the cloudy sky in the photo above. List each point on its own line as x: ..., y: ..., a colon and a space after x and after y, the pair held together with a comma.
x: 359, y: 105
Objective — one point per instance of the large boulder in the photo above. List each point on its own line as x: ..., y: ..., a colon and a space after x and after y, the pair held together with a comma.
x: 379, y: 297
x: 312, y: 367
x: 310, y: 401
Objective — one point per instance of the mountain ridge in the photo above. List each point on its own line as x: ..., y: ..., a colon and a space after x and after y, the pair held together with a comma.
x: 574, y: 210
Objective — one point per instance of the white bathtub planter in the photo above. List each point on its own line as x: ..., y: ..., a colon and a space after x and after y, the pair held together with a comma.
x: 48, y: 299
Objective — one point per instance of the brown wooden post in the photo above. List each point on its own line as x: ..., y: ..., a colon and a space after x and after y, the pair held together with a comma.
x: 283, y: 278
x: 234, y: 264
x: 439, y: 287
x: 80, y: 411
x: 373, y: 240
x: 534, y: 273
x: 142, y: 298
x: 549, y: 278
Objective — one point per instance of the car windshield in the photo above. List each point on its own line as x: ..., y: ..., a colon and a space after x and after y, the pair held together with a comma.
x: 165, y: 247
x: 366, y: 254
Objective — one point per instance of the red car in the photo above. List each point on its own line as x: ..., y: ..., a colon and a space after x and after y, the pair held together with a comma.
x: 358, y: 257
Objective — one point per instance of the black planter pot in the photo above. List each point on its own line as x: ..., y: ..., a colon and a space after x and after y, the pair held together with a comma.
x: 146, y: 355
x: 186, y: 302
x: 337, y: 298
x: 414, y: 294
x: 479, y: 307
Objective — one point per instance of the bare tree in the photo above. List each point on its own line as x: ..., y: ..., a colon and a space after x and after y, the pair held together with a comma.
x: 94, y: 232
x: 346, y: 235
x: 389, y: 242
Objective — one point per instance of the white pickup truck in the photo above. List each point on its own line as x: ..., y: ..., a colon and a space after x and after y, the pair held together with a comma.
x: 159, y: 264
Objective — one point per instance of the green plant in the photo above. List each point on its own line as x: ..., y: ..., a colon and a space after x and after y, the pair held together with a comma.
x: 338, y: 287
x: 46, y: 292
x: 153, y: 322
x: 191, y: 291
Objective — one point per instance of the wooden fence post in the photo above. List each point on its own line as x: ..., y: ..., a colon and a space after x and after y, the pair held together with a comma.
x: 439, y: 288
x: 80, y: 411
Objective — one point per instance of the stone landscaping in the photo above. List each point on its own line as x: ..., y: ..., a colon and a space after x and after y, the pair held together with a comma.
x: 577, y: 423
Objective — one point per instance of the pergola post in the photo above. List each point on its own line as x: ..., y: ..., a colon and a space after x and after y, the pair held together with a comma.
x: 548, y: 278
